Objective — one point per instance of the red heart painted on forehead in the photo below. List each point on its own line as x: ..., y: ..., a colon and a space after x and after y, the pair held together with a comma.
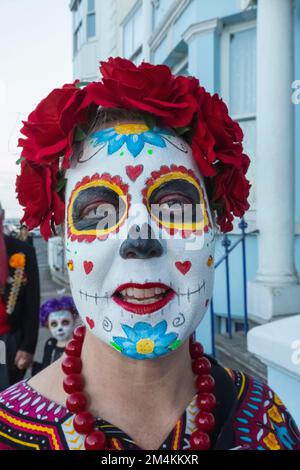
x: 90, y: 322
x: 183, y: 266
x: 133, y: 172
x: 88, y: 266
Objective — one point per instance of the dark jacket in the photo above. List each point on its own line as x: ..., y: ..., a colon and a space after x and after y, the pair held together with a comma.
x: 25, y: 317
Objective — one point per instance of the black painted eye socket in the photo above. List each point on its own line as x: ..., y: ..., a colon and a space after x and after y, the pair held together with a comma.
x: 97, y: 207
x: 53, y: 324
x: 65, y: 322
x: 176, y: 201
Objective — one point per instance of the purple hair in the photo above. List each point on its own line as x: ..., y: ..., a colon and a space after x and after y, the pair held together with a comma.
x: 53, y: 305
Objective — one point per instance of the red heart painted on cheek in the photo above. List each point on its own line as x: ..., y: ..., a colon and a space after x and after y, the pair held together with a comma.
x: 183, y: 266
x: 133, y: 172
x: 90, y: 322
x: 88, y: 266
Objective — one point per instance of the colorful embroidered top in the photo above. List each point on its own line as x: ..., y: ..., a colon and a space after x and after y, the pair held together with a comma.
x: 255, y: 419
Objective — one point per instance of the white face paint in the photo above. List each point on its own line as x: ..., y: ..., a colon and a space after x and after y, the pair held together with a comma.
x: 61, y: 324
x: 142, y: 296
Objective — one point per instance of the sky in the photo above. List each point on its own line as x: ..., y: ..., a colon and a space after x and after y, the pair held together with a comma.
x: 35, y: 57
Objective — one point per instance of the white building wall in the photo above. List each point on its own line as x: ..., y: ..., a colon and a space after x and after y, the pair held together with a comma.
x: 110, y: 14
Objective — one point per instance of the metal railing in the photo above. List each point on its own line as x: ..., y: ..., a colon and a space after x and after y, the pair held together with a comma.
x: 225, y: 259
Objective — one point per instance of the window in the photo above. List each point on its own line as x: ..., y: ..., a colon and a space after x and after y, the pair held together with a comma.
x: 133, y: 34
x: 77, y: 26
x: 238, y: 85
x: 91, y: 20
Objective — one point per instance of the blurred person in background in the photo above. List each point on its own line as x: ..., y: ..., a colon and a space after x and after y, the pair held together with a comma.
x: 19, y: 305
x: 60, y: 316
x: 24, y: 235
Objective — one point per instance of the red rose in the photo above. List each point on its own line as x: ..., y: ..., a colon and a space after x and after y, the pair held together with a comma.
x: 36, y: 193
x: 149, y: 88
x: 230, y: 192
x: 50, y: 127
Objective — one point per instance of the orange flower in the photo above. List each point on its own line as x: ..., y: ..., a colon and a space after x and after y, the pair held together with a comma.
x: 271, y: 441
x: 210, y: 261
x: 17, y: 261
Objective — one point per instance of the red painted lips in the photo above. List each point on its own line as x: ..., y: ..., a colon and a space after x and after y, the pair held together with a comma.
x: 143, y: 299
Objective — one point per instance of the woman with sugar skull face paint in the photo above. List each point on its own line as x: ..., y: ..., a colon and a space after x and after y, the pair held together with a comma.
x: 152, y: 165
x: 59, y: 315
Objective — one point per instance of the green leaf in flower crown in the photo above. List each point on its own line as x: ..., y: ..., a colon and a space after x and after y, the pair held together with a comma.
x: 80, y: 135
x: 81, y: 84
x: 60, y: 184
x: 20, y: 160
x: 150, y: 121
x: 182, y: 130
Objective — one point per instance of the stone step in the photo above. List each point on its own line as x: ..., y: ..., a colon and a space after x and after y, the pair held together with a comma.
x: 233, y: 353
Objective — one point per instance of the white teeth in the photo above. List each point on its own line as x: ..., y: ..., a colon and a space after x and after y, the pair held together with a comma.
x: 149, y: 293
x: 142, y: 296
x: 129, y: 291
x: 138, y: 293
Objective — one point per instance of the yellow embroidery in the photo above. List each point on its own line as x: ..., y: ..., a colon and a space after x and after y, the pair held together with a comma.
x: 115, y: 443
x: 177, y: 434
x: 275, y: 415
x: 31, y: 427
x: 271, y: 441
x: 27, y: 444
x: 277, y: 400
x: 74, y: 441
x: 242, y: 385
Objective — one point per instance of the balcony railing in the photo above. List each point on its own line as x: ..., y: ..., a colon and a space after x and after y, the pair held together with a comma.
x: 228, y: 248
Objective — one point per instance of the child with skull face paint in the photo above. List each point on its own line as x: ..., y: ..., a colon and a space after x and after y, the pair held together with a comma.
x: 141, y: 274
x: 59, y: 315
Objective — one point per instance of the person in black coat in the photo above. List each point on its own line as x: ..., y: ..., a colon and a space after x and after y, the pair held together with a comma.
x: 19, y: 305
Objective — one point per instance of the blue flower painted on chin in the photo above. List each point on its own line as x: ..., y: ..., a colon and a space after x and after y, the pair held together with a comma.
x: 144, y: 341
x: 135, y: 136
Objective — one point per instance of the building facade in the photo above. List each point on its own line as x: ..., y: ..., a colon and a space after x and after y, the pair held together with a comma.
x: 248, y: 51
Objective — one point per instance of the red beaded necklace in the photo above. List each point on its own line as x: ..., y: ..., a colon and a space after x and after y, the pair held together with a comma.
x: 84, y: 422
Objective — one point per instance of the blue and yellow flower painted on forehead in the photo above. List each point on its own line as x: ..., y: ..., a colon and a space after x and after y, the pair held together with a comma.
x: 135, y: 136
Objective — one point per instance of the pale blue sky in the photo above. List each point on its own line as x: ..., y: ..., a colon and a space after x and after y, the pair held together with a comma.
x: 35, y: 57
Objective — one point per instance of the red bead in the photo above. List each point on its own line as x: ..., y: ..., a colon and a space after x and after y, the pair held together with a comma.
x: 76, y: 402
x: 71, y: 365
x: 196, y: 350
x: 79, y: 333
x: 205, y: 383
x: 83, y: 422
x: 73, y: 383
x: 205, y: 421
x: 206, y: 401
x: 201, y: 365
x: 95, y: 440
x: 200, y: 440
x: 73, y: 348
